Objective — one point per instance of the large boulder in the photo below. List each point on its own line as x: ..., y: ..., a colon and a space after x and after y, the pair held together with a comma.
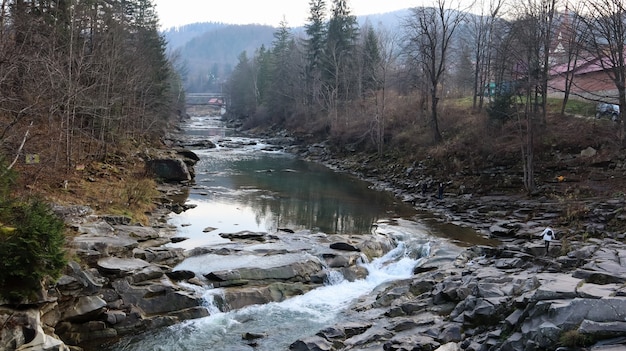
x: 170, y: 169
x: 156, y: 298
x: 294, y: 272
x: 84, y: 308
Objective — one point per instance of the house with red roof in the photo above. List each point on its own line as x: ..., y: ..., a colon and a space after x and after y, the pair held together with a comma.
x: 590, y: 80
x: 589, y: 74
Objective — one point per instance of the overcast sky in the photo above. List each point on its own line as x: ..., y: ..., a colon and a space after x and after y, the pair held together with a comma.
x: 174, y: 13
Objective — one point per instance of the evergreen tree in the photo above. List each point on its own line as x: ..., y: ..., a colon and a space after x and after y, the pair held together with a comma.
x: 314, y: 47
x: 342, y: 33
x: 371, y: 62
x: 282, y: 99
x: 241, y: 88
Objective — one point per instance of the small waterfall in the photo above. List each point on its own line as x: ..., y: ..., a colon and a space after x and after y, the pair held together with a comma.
x: 333, y: 277
x: 213, y: 298
x: 281, y: 322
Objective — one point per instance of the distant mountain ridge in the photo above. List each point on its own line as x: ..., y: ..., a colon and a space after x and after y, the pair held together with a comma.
x: 208, y: 50
x: 178, y: 36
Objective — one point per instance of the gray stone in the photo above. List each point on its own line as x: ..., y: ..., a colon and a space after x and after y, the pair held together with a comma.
x: 595, y: 291
x: 451, y: 334
x: 105, y: 245
x: 84, y: 308
x: 43, y: 342
x: 499, y: 231
x: 180, y: 275
x: 138, y: 233
x: 338, y: 261
x: 253, y: 336
x: 115, y: 317
x: 331, y: 333
x: 189, y: 313
x: 343, y: 246
x: 313, y: 343
x: 588, y: 152
x: 116, y: 219
x: 148, y: 273
x: 238, y: 298
x: 297, y: 271
x: 169, y: 169
x: 156, y: 298
x: 245, y: 235
x: 600, y: 277
x: 557, y: 286
x: 121, y: 266
x: 602, y: 330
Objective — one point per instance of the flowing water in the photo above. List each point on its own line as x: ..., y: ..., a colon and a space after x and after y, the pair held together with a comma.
x: 282, y: 323
x: 246, y: 185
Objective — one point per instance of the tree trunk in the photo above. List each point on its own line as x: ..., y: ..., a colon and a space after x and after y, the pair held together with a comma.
x: 434, y: 118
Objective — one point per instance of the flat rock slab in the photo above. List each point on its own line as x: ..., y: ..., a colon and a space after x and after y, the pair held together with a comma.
x: 204, y: 264
x: 556, y: 286
x: 589, y: 290
x: 137, y: 232
x: 99, y: 228
x: 244, y: 235
x: 123, y: 266
x: 86, y: 242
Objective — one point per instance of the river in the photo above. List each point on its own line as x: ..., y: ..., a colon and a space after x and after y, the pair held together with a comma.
x: 246, y: 185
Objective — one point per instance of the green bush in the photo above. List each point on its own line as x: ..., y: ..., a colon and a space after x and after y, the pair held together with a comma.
x: 32, y: 242
x: 501, y: 108
x: 573, y: 338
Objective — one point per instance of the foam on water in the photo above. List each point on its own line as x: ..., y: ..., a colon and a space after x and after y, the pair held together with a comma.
x: 281, y: 322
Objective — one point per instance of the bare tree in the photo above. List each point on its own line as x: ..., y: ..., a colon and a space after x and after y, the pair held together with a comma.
x: 532, y: 36
x: 483, y: 30
x: 606, y: 21
x: 379, y: 81
x: 429, y: 34
x: 570, y: 35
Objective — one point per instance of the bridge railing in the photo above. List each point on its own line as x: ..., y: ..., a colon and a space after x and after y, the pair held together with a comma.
x: 214, y: 99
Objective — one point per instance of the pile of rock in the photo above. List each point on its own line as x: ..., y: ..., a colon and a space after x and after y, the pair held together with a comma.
x: 506, y: 298
x: 123, y: 285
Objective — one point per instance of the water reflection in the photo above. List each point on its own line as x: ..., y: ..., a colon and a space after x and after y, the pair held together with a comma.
x: 261, y: 191
x: 240, y: 185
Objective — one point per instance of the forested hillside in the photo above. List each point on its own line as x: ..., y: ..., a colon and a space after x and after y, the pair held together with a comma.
x: 207, y: 59
x: 83, y: 86
x: 177, y: 37
x: 208, y: 52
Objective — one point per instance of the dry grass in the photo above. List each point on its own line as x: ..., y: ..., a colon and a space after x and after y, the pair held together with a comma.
x: 472, y: 144
x: 114, y: 183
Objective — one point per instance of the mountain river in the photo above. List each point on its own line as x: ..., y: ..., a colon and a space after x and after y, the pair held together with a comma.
x: 245, y: 184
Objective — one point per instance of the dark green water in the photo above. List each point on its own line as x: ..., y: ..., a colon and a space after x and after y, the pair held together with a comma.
x: 250, y: 189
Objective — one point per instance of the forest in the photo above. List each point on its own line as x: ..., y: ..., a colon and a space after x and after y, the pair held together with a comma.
x: 78, y: 79
x: 369, y: 88
x: 84, y: 85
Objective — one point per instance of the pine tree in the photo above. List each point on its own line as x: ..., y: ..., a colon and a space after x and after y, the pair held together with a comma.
x: 371, y: 62
x: 342, y: 33
x: 314, y: 47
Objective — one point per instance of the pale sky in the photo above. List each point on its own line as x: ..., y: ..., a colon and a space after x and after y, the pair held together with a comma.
x: 174, y: 13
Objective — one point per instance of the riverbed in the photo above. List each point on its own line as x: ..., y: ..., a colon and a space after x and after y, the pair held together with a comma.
x: 245, y: 184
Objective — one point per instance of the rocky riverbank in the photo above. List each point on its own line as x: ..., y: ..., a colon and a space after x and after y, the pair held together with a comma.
x: 514, y: 296
x: 122, y: 278
x: 511, y: 297
x: 119, y: 279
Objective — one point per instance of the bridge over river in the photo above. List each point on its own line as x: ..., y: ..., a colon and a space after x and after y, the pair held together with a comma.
x: 210, y: 99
